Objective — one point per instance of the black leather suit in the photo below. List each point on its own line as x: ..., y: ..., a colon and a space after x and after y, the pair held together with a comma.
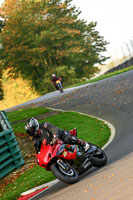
x: 48, y: 131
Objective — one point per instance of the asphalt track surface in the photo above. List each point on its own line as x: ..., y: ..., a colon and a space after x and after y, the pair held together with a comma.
x: 110, y: 99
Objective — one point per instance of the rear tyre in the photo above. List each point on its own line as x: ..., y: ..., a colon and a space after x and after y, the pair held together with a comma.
x: 68, y: 176
x: 99, y: 158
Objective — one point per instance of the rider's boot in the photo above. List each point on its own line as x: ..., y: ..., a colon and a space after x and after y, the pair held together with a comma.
x: 75, y: 140
x: 85, y: 145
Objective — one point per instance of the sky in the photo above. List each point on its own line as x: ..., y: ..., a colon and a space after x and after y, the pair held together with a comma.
x: 1, y: 1
x: 114, y: 22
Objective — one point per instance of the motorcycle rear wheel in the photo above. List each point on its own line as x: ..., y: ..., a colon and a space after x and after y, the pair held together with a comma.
x: 70, y: 176
x: 99, y: 158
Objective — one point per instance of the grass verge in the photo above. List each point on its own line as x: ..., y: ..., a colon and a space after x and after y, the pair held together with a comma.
x: 117, y: 72
x: 89, y: 129
x: 22, y: 114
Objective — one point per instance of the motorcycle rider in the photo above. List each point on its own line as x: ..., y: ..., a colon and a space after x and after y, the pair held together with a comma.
x: 54, y: 79
x: 48, y: 131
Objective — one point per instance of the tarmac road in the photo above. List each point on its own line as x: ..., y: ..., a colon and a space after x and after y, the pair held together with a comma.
x: 112, y: 100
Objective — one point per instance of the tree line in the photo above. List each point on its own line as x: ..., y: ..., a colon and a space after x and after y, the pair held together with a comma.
x: 41, y: 37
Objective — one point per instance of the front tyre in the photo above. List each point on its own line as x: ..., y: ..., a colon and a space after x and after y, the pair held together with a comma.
x: 61, y: 88
x: 68, y: 175
x: 99, y: 158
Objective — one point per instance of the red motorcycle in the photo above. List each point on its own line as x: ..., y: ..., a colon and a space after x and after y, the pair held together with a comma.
x: 67, y: 162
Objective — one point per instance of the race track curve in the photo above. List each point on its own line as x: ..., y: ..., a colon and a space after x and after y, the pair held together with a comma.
x: 110, y: 99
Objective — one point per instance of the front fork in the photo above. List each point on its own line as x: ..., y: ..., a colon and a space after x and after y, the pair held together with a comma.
x: 62, y: 164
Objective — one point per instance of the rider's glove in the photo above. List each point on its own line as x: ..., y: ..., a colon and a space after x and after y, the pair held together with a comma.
x: 54, y: 140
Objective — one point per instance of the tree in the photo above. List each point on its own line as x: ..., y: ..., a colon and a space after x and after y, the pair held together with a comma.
x: 1, y: 88
x: 41, y: 35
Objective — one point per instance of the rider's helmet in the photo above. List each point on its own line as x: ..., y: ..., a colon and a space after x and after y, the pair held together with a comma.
x: 53, y: 75
x: 32, y: 126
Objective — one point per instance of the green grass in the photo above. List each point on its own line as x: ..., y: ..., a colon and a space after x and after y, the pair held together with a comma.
x: 29, y: 179
x: 89, y: 129
x: 117, y: 72
x: 22, y: 114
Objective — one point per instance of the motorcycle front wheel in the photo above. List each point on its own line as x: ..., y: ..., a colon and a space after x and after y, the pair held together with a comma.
x: 69, y: 175
x: 61, y: 89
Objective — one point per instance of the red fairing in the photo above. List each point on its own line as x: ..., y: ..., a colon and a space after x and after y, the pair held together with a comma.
x: 48, y: 152
x: 68, y: 155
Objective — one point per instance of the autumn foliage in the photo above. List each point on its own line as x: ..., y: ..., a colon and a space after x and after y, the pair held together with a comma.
x: 40, y: 36
x: 16, y: 91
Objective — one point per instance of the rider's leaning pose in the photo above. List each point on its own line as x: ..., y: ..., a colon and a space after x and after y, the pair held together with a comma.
x: 54, y: 79
x: 48, y: 131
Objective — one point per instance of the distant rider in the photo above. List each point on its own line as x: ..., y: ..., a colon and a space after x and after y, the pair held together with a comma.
x: 48, y: 131
x: 54, y: 79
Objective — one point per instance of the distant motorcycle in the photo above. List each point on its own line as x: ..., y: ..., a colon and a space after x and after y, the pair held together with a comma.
x: 67, y: 162
x: 59, y: 85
